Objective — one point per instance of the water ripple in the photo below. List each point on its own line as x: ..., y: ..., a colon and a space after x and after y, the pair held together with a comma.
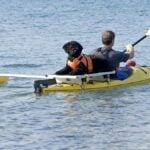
x: 22, y: 66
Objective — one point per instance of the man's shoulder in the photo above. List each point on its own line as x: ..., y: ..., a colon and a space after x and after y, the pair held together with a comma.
x: 96, y: 50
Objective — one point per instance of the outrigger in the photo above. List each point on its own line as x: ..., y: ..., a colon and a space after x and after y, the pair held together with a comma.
x: 140, y: 74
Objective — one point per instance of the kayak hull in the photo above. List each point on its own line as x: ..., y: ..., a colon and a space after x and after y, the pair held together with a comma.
x: 140, y: 75
x: 3, y: 80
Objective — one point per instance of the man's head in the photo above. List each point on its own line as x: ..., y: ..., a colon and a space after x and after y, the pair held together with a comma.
x: 108, y: 38
x: 73, y: 49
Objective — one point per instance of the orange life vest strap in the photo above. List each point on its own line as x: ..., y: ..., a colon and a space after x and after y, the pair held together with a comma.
x: 86, y: 60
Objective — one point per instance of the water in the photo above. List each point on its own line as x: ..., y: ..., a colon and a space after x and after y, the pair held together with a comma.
x: 32, y: 33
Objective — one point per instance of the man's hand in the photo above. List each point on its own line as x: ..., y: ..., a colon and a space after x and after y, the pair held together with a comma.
x: 130, y: 50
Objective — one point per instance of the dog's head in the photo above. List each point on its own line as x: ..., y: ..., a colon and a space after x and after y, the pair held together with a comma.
x: 73, y: 49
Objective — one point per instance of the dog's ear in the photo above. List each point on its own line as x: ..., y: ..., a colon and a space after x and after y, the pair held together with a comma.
x: 66, y: 47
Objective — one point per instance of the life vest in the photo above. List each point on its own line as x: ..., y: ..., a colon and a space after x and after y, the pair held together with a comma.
x: 86, y: 60
x: 104, y: 54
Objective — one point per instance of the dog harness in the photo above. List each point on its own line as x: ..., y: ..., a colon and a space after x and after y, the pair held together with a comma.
x: 86, y: 60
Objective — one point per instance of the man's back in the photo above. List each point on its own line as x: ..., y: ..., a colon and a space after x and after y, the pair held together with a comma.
x: 113, y: 57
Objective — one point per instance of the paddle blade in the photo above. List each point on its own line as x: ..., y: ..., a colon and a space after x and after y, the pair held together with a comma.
x: 148, y: 33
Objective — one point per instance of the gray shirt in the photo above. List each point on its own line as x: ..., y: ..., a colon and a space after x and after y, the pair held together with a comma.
x: 113, y: 57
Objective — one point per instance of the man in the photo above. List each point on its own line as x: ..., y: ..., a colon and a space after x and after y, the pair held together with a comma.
x: 113, y: 57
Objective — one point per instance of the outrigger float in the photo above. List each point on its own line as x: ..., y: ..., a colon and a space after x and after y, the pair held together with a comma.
x: 3, y: 79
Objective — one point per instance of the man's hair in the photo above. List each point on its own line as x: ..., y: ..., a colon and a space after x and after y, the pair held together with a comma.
x: 108, y: 37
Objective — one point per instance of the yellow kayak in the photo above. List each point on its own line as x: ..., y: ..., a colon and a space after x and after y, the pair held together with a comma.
x: 139, y: 75
x: 3, y: 79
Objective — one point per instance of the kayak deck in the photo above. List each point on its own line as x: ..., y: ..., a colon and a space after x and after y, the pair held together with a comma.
x: 139, y: 75
x: 3, y: 80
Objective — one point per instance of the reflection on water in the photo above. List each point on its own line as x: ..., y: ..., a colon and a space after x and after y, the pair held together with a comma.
x: 102, y: 119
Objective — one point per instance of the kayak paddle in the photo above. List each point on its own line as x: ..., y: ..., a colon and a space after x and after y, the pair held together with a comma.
x: 142, y: 38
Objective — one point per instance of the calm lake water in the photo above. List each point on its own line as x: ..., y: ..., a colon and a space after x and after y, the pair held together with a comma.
x: 32, y: 33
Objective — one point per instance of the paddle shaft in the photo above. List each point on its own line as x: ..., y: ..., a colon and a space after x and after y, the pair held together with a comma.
x: 142, y: 38
x: 135, y: 43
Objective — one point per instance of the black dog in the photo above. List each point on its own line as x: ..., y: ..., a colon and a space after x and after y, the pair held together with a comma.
x: 79, y: 64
